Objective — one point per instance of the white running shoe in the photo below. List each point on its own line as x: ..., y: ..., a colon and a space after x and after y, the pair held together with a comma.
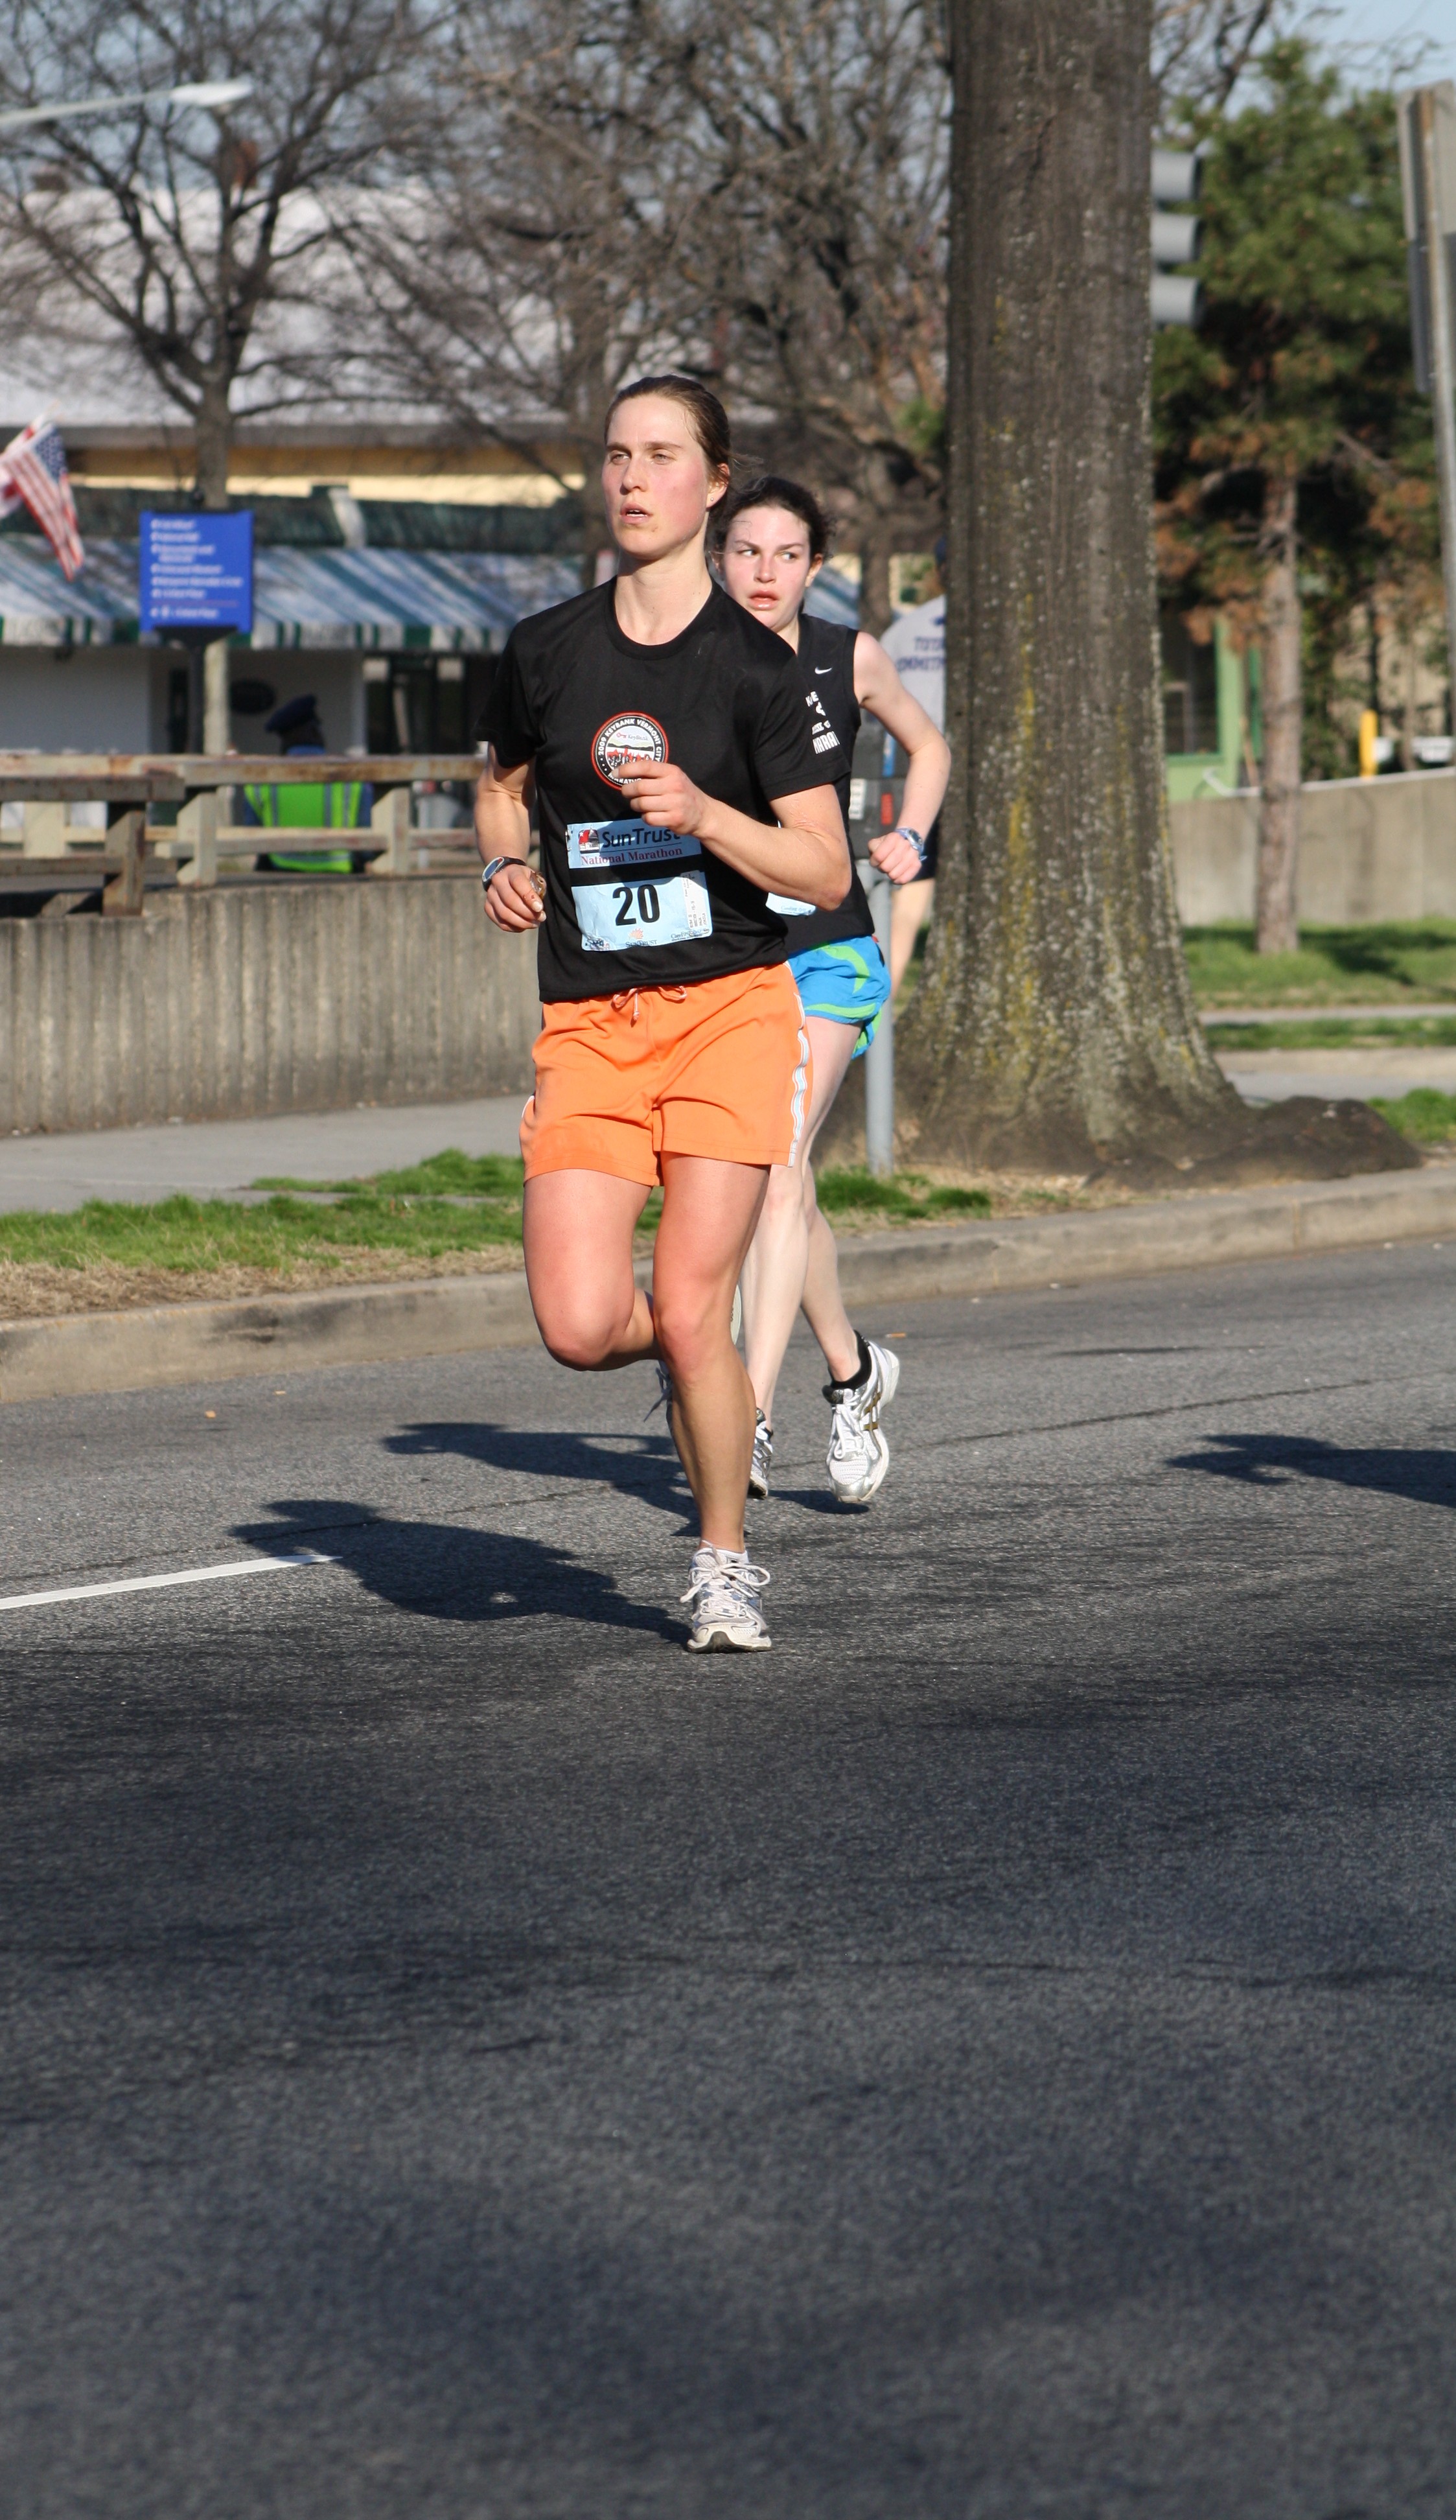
x: 859, y: 1456
x: 763, y: 1457
x: 722, y: 1594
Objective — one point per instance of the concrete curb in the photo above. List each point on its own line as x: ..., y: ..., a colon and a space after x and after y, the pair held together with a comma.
x: 166, y: 1343
x: 178, y: 1343
x: 1194, y: 1232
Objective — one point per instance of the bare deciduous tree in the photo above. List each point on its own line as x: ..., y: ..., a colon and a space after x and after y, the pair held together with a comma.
x: 180, y: 242
x: 1202, y: 48
x: 538, y: 254
x: 173, y: 232
x: 829, y: 122
x: 753, y: 192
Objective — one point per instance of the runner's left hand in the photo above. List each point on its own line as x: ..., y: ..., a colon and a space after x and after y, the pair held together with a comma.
x: 896, y: 857
x: 663, y: 794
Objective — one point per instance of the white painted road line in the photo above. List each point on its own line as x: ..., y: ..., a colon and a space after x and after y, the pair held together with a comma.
x: 154, y: 1583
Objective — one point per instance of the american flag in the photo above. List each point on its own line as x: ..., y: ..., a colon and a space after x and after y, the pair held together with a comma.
x: 34, y: 475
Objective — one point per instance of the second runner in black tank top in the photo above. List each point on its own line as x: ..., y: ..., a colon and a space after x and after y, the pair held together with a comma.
x: 826, y: 662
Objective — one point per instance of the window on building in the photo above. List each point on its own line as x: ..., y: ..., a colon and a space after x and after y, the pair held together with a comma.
x: 425, y: 704
x: 1190, y: 686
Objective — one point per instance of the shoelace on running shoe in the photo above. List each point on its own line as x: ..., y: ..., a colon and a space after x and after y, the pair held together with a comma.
x: 850, y: 1427
x: 723, y: 1583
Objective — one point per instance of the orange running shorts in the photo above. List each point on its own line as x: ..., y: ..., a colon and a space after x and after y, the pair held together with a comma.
x: 719, y: 1068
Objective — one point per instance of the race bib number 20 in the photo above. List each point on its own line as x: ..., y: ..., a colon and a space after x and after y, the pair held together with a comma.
x: 644, y: 904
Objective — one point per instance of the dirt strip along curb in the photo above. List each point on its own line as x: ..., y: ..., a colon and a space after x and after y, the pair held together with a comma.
x: 179, y: 1343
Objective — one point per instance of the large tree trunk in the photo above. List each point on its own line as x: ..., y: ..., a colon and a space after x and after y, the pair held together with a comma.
x: 1054, y: 1025
x: 1282, y: 706
x: 213, y: 447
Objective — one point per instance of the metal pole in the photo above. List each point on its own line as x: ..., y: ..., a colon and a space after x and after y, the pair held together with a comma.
x: 197, y: 703
x: 879, y: 1059
x: 1438, y: 219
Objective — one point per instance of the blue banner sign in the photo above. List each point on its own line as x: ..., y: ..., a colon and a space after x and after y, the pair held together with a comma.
x: 196, y: 570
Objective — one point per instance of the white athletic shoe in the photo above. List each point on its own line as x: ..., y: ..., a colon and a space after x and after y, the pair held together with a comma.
x: 723, y: 1593
x: 859, y: 1456
x: 763, y: 1457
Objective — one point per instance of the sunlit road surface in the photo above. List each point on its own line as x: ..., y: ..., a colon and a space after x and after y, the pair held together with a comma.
x: 993, y: 2055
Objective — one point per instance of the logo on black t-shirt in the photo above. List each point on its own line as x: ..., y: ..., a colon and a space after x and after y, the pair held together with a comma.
x: 824, y: 737
x: 631, y: 737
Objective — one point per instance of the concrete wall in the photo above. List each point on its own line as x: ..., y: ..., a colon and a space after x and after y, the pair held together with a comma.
x: 92, y: 699
x: 262, y: 997
x: 1370, y: 849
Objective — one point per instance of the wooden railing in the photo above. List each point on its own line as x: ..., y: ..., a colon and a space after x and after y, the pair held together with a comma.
x: 206, y: 834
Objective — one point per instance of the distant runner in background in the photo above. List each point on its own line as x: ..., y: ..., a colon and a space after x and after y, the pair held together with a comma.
x: 915, y: 644
x: 770, y: 548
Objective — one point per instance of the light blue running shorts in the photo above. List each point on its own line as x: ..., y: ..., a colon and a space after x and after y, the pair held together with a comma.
x: 845, y: 983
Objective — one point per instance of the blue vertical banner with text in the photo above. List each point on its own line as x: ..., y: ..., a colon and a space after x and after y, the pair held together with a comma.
x: 196, y: 570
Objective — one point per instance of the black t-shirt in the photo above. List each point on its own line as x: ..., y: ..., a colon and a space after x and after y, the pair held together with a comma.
x: 826, y: 669
x: 627, y: 906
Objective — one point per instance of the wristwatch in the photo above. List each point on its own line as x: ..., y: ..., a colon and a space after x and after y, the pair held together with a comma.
x: 904, y: 832
x: 489, y: 872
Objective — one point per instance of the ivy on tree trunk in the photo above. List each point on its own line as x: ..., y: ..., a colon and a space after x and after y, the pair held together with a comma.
x: 1054, y: 1026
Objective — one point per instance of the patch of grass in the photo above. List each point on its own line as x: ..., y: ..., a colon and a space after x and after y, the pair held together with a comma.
x: 1336, y: 1032
x: 449, y: 1175
x: 1334, y: 966
x: 851, y: 1191
x: 449, y: 1204
x: 199, y: 1236
x: 1424, y: 1114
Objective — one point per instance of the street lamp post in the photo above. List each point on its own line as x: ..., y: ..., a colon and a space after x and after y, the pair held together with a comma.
x: 1428, y: 169
x: 207, y: 93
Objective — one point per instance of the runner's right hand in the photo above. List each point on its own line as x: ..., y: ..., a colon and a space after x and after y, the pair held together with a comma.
x: 515, y: 899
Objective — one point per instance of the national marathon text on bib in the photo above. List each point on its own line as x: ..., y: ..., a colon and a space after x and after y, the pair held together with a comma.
x: 630, y: 886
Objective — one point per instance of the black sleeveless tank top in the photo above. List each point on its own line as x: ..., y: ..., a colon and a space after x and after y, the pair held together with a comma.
x: 826, y: 662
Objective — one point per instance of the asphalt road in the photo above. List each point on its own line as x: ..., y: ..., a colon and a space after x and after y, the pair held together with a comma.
x: 993, y: 2056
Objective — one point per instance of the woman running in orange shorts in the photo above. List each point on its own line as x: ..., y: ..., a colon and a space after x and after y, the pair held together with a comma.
x: 678, y: 782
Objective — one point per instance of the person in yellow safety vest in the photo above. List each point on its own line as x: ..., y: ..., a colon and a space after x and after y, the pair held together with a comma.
x: 343, y: 805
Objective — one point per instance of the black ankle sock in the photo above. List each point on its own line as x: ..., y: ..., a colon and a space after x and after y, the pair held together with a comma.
x: 866, y: 1361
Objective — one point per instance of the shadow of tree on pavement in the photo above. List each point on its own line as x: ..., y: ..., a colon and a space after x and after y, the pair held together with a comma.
x: 1427, y: 1477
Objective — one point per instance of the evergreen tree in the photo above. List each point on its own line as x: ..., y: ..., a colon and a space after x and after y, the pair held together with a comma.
x: 1293, y: 469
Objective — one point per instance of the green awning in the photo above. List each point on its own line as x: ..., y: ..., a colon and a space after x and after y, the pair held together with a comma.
x: 301, y: 599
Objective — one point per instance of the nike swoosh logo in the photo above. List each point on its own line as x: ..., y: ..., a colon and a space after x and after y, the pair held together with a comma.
x: 824, y: 669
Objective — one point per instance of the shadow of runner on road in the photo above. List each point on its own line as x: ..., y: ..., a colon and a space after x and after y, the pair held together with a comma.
x: 445, y: 1570
x: 651, y: 1467
x: 1274, y: 1460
